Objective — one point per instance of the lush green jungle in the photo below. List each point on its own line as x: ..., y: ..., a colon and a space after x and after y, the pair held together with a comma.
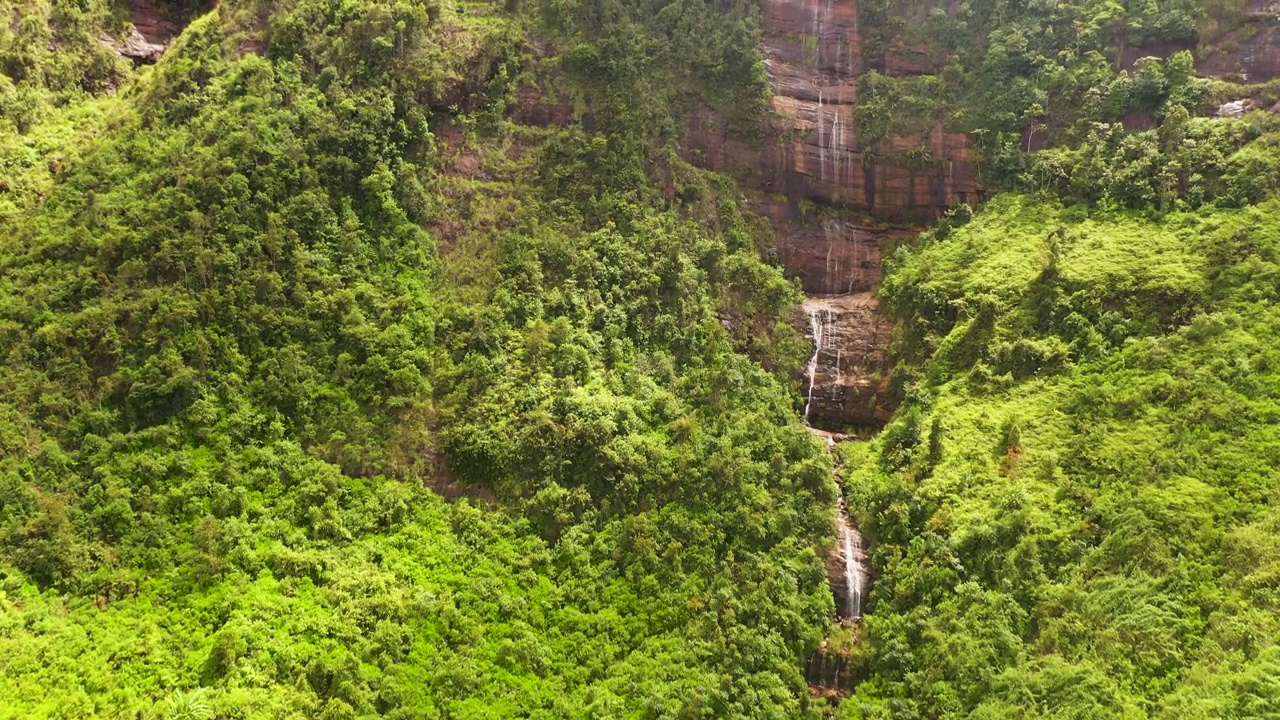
x: 330, y: 388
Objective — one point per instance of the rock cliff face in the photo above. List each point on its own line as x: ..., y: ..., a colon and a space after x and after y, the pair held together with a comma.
x: 815, y: 55
x: 1248, y: 48
x: 154, y: 22
x: 152, y: 26
x: 849, y: 383
x: 832, y: 197
x: 835, y: 199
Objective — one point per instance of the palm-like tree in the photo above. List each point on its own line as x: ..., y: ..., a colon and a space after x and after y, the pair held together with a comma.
x: 190, y: 706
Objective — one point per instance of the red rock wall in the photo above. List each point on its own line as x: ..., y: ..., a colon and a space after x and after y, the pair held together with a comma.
x: 1249, y: 53
x: 851, y: 378
x: 1245, y: 48
x: 153, y: 21
x: 830, y: 200
x: 831, y: 195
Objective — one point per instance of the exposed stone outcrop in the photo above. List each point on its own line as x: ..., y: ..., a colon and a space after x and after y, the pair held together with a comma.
x: 153, y: 21
x: 829, y: 674
x: 134, y: 46
x: 830, y: 252
x: 150, y: 30
x: 541, y: 106
x: 1235, y: 108
x: 850, y: 386
x: 1244, y: 49
x: 834, y: 199
x: 813, y: 51
x: 1249, y: 50
x: 814, y: 158
x: 831, y: 197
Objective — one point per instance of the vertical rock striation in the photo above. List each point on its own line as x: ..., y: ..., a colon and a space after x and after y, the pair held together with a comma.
x: 847, y: 384
x: 834, y: 197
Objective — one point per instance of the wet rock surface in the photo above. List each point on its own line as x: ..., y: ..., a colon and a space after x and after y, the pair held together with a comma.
x: 849, y: 388
x: 152, y: 27
x: 833, y: 196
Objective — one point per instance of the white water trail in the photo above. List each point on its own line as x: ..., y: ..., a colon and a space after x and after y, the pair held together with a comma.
x: 817, y: 33
x: 826, y: 18
x: 851, y: 551
x: 818, y: 319
x: 839, y: 141
x: 822, y: 143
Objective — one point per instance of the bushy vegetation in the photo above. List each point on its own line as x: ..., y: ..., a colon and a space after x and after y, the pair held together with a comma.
x: 1074, y: 513
x: 51, y: 56
x: 331, y: 390
x: 1114, y: 81
x: 261, y: 309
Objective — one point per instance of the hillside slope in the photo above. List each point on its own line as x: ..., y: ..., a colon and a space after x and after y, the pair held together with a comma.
x: 1075, y: 512
x: 406, y: 358
x: 264, y: 307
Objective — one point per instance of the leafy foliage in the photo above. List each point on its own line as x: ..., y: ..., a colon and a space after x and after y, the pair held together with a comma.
x: 1109, y: 88
x: 281, y: 303
x: 1061, y: 512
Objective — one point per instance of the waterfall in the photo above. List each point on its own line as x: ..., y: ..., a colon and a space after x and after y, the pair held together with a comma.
x: 855, y: 266
x: 821, y: 16
x: 822, y: 143
x: 854, y: 557
x: 826, y: 18
x: 850, y: 581
x: 839, y: 140
x: 819, y: 318
x: 829, y: 671
x: 817, y: 32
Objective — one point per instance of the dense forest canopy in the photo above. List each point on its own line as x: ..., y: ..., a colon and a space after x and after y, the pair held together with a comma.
x: 337, y: 380
x: 1074, y: 511
x: 256, y: 319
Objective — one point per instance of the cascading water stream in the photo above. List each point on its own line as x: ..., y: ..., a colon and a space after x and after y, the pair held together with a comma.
x: 818, y: 320
x: 854, y: 557
x: 838, y: 140
x: 852, y: 554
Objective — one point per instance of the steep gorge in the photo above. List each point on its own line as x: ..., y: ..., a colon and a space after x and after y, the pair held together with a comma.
x: 836, y: 198
x: 528, y: 400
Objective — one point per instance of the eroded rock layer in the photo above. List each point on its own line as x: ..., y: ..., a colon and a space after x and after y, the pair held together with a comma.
x: 850, y: 384
x: 832, y: 196
x: 814, y: 53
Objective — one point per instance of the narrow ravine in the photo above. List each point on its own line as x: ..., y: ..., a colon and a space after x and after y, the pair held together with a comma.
x: 828, y: 670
